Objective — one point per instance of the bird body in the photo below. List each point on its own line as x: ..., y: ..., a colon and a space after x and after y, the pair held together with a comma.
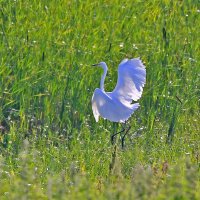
x: 109, y: 107
x: 117, y: 105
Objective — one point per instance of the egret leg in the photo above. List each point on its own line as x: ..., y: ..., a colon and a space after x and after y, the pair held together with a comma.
x: 113, y: 135
x: 123, y: 137
x: 113, y: 159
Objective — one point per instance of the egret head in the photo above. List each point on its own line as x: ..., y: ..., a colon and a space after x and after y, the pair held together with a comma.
x: 101, y: 64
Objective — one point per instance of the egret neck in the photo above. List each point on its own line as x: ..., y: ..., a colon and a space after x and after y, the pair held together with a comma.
x: 105, y: 69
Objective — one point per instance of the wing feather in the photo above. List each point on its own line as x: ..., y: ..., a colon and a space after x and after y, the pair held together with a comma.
x: 131, y: 80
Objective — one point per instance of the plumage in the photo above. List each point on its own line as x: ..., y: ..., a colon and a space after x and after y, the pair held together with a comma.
x: 117, y: 105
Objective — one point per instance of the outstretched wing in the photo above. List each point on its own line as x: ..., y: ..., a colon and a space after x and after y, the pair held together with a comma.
x: 131, y: 80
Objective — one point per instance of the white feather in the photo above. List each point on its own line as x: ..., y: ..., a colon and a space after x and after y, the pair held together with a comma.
x: 131, y: 80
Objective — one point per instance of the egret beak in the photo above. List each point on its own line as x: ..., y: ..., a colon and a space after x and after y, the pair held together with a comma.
x: 95, y: 65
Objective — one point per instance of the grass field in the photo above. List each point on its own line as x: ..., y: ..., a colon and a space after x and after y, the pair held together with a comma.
x: 50, y: 145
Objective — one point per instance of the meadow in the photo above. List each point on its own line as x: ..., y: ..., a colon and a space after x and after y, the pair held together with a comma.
x: 50, y: 145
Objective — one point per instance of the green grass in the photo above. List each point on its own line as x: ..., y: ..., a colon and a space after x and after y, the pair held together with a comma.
x: 50, y: 145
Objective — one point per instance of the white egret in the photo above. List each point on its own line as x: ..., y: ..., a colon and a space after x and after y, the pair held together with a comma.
x: 117, y: 105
